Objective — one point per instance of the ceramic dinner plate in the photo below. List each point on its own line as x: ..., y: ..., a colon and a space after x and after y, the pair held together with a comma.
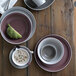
x: 64, y: 61
x: 24, y: 11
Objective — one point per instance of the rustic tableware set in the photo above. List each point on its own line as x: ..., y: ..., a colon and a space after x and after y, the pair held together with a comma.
x: 52, y: 52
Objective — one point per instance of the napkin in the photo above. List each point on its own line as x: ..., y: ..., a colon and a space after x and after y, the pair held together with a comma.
x: 3, y: 4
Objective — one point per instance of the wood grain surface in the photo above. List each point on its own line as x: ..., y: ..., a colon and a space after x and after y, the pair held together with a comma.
x: 75, y: 32
x: 57, y: 19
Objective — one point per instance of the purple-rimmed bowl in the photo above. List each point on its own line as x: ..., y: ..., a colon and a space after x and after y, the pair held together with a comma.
x: 30, y: 19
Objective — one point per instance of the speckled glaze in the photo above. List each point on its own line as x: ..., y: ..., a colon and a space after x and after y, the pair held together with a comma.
x: 17, y: 66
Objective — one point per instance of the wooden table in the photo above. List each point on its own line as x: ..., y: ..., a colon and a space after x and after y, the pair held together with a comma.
x: 57, y: 19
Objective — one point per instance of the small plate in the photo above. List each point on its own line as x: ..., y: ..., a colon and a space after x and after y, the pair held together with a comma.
x: 16, y: 66
x: 32, y: 5
x: 64, y: 61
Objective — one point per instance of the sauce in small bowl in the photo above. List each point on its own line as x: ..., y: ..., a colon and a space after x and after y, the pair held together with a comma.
x: 20, y: 57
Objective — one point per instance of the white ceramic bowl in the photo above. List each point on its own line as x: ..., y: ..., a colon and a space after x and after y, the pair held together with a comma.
x: 15, y: 53
x: 20, y: 66
x: 57, y: 52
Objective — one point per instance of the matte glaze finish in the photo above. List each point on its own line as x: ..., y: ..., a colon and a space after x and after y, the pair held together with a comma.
x: 20, y: 23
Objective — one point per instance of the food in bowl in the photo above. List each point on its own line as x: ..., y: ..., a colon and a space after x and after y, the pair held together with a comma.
x: 20, y: 57
x: 18, y: 21
x: 12, y: 33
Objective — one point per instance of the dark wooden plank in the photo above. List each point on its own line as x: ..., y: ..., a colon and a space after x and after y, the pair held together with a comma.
x: 20, y: 3
x: 56, y: 20
x: 1, y: 56
x: 43, y: 28
x: 62, y: 22
x: 75, y: 33
x: 8, y: 69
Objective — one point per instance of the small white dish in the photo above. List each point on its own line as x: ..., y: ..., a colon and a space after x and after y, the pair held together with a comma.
x: 19, y: 55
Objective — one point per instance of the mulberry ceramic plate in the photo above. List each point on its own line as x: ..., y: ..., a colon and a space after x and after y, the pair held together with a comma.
x: 64, y: 61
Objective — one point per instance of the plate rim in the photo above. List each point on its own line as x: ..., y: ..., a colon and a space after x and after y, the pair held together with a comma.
x: 52, y: 36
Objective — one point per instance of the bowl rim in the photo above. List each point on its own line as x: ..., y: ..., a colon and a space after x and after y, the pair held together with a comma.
x: 61, y: 56
x: 14, y: 59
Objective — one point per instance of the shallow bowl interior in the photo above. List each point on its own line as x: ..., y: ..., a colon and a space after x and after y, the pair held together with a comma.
x: 59, y: 50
